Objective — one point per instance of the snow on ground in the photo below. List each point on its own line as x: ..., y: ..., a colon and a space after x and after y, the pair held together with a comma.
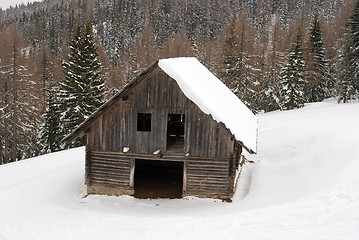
x: 303, y: 185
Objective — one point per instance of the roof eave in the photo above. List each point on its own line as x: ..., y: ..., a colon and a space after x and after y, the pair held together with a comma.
x: 81, y: 129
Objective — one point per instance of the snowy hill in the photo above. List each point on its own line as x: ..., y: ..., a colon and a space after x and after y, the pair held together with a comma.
x: 303, y: 185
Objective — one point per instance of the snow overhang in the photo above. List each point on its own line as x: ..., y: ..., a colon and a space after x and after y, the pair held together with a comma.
x: 213, y: 97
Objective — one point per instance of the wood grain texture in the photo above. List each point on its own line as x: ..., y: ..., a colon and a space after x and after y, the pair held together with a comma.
x: 209, y: 153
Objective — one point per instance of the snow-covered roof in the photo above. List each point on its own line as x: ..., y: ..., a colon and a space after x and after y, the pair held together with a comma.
x: 213, y: 97
x: 201, y: 87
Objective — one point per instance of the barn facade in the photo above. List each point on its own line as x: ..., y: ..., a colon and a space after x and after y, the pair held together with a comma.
x: 155, y: 139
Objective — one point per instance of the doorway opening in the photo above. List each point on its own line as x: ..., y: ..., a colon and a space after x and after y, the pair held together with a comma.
x: 175, y: 132
x: 158, y: 179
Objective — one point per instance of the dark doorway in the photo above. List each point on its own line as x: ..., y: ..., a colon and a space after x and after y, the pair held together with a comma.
x: 175, y: 132
x: 158, y: 179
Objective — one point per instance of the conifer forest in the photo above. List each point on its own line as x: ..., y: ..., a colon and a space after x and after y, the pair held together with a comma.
x: 61, y: 59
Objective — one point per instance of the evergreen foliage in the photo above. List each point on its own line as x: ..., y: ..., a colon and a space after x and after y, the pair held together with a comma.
x: 50, y: 135
x: 82, y: 88
x: 317, y: 65
x: 236, y: 70
x: 270, y: 89
x: 348, y: 79
x: 133, y: 34
x: 292, y: 77
x: 230, y: 69
x: 354, y: 54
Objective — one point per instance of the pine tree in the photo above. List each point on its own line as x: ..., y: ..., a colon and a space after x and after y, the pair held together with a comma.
x: 50, y: 135
x: 236, y: 71
x: 82, y: 88
x: 270, y: 89
x: 230, y: 72
x: 348, y: 79
x: 292, y: 77
x: 50, y: 130
x: 317, y: 65
x: 354, y: 55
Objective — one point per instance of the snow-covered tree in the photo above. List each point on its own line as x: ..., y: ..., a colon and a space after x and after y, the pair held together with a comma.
x: 237, y: 71
x: 354, y: 31
x: 82, y: 88
x: 292, y: 77
x: 50, y: 135
x: 273, y: 60
x: 230, y: 67
x: 18, y: 104
x: 317, y: 65
x: 348, y: 79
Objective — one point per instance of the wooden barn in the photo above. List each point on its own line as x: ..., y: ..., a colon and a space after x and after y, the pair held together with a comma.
x: 175, y: 130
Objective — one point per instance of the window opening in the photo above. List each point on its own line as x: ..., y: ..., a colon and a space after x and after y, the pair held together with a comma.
x: 144, y: 122
x: 175, y: 132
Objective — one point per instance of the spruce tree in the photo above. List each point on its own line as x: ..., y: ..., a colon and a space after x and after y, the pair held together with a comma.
x: 230, y: 72
x: 50, y: 135
x: 236, y: 68
x: 82, y: 88
x: 273, y: 61
x: 317, y: 73
x: 292, y: 77
x: 348, y: 79
x: 354, y: 53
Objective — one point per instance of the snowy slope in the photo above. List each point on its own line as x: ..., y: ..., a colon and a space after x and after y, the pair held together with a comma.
x: 304, y: 184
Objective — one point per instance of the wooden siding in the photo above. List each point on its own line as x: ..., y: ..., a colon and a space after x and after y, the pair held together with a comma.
x: 109, y: 170
x: 159, y: 95
x: 206, y: 177
x: 203, y: 176
x: 210, y: 154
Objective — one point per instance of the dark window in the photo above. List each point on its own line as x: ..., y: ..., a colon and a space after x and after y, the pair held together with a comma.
x: 175, y: 132
x: 144, y: 122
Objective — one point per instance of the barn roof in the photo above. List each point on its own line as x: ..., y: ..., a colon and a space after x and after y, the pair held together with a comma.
x: 213, y: 97
x: 202, y: 88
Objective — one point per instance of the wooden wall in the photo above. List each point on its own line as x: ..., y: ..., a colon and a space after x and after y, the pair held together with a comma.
x: 209, y: 151
x: 159, y: 95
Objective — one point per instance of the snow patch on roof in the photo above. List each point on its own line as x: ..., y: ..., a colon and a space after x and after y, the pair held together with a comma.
x: 213, y: 97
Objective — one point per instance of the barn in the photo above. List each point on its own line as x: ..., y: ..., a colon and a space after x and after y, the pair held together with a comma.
x: 175, y: 130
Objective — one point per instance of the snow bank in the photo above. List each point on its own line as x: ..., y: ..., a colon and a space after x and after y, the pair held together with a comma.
x: 213, y: 97
x: 303, y: 185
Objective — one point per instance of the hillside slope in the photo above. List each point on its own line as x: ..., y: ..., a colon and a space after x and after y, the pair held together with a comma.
x: 303, y: 184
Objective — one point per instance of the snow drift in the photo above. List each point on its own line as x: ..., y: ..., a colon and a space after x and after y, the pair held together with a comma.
x: 303, y: 185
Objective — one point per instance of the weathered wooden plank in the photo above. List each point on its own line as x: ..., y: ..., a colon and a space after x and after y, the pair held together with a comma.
x: 99, y: 182
x: 204, y: 176
x: 208, y: 166
x: 111, y: 177
x: 108, y: 177
x: 109, y: 169
x: 198, y: 189
x: 207, y: 189
x: 208, y: 185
